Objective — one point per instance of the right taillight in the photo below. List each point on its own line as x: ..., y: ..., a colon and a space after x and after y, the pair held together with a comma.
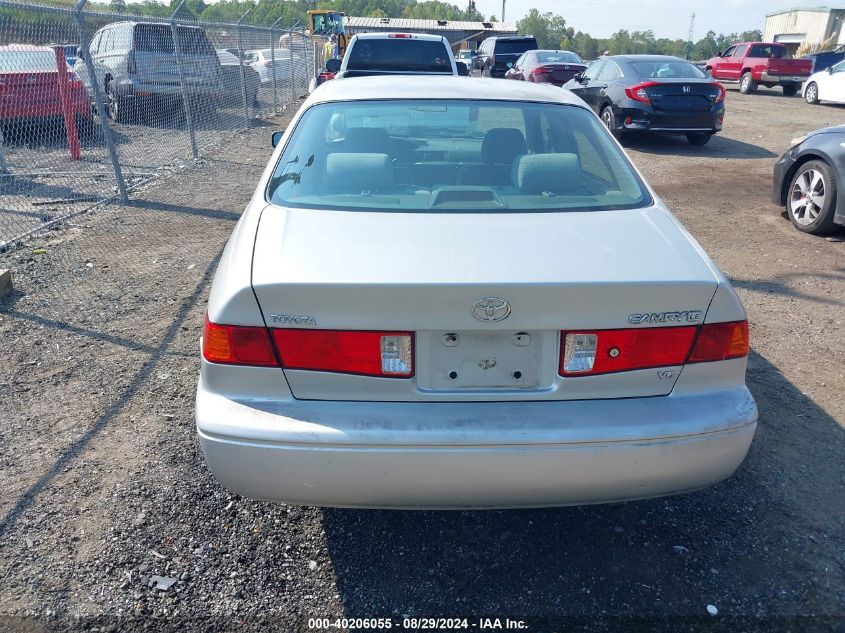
x: 720, y: 92
x: 593, y: 352
x: 720, y: 341
x: 367, y: 353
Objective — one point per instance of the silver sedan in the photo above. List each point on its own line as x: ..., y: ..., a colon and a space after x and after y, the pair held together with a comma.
x: 452, y: 294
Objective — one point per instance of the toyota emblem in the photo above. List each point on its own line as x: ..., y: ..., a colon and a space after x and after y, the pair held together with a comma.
x: 491, y: 309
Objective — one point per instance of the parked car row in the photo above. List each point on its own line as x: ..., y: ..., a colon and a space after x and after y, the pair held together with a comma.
x: 136, y: 68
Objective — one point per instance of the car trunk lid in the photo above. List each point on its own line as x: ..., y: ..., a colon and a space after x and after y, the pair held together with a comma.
x: 682, y: 96
x: 426, y: 274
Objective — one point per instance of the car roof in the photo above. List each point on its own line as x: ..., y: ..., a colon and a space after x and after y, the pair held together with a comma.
x: 385, y: 36
x: 644, y: 58
x: 410, y: 87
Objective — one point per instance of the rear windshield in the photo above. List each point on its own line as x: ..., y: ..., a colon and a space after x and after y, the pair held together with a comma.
x: 506, y: 47
x: 668, y: 69
x: 158, y: 38
x: 400, y: 54
x: 27, y: 61
x: 545, y: 57
x: 453, y: 155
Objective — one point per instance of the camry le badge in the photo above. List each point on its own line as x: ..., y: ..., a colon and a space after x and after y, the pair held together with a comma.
x: 491, y: 309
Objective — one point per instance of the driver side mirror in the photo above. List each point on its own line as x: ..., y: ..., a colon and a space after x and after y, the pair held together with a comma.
x: 463, y: 69
x: 829, y: 70
x: 580, y: 78
x: 276, y: 138
x: 333, y: 65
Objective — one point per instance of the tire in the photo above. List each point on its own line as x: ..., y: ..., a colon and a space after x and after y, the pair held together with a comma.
x: 790, y: 90
x: 116, y: 107
x: 747, y: 85
x: 811, y: 198
x: 811, y: 93
x: 86, y: 128
x: 699, y: 139
x: 607, y: 119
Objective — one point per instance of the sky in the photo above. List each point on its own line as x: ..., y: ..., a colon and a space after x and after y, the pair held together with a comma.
x: 666, y: 19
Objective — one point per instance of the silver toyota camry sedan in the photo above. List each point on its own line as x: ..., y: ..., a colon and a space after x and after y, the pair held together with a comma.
x: 461, y: 294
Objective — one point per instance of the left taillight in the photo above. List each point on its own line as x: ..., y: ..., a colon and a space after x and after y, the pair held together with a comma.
x: 237, y: 345
x: 640, y: 91
x: 367, y: 353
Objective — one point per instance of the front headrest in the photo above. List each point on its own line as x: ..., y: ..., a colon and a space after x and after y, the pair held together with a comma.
x: 538, y: 173
x: 502, y: 145
x: 354, y: 173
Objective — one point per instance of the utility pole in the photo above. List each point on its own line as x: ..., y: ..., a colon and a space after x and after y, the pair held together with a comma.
x: 503, y: 10
x: 690, y: 36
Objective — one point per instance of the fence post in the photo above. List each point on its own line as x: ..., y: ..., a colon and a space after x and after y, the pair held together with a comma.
x: 183, y: 86
x: 98, y: 100
x: 273, y: 45
x: 292, y: 62
x: 243, y: 72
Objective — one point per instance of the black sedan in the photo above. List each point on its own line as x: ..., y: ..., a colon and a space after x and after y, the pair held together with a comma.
x: 809, y: 180
x: 652, y: 93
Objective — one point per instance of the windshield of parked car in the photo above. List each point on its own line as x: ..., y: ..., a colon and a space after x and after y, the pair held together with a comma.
x: 453, y: 155
x: 668, y: 69
x: 512, y: 47
x: 398, y: 55
x: 158, y: 38
x: 545, y: 57
x: 27, y: 61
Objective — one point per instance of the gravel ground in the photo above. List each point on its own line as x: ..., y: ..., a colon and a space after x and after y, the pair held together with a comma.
x: 105, y: 487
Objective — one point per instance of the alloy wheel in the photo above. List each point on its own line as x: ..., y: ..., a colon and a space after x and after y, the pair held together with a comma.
x: 811, y: 94
x: 807, y: 197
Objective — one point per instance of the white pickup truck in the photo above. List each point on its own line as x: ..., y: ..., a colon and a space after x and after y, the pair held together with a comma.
x: 371, y: 54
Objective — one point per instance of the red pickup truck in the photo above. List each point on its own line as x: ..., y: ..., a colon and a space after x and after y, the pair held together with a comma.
x: 754, y: 63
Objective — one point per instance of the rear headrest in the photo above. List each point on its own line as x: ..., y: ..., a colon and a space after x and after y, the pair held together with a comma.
x: 367, y: 139
x: 502, y: 145
x: 354, y: 173
x: 537, y: 173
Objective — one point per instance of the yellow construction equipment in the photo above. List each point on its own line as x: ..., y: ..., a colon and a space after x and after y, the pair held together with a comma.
x: 325, y: 23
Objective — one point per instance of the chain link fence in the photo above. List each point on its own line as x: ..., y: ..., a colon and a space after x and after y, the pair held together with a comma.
x: 94, y: 105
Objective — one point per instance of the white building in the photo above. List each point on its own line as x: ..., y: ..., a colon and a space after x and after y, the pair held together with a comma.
x: 813, y: 25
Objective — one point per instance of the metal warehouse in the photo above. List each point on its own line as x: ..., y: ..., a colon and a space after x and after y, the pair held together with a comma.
x: 812, y: 25
x: 460, y: 34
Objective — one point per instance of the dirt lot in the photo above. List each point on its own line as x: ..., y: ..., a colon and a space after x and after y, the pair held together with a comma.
x: 104, y: 485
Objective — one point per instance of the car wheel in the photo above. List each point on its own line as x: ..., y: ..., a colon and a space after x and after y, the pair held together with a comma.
x: 115, y: 106
x: 812, y: 198
x: 698, y: 139
x: 747, y: 85
x: 811, y: 93
x: 85, y: 127
x: 607, y: 119
x: 790, y: 91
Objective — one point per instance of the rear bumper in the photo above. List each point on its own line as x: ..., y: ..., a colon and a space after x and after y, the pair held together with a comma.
x: 790, y: 80
x: 138, y: 89
x: 474, y: 455
x: 646, y: 119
